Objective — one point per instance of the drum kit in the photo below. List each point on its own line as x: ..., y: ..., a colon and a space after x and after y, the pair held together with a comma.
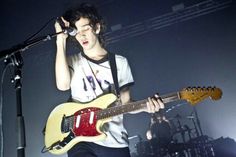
x: 184, y: 141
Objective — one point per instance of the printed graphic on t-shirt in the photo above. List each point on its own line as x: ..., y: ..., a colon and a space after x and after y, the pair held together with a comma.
x: 104, y: 84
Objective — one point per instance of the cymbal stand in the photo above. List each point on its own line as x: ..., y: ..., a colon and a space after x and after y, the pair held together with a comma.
x: 180, y: 128
x: 204, y: 143
x: 182, y: 132
x: 195, y: 125
x: 198, y: 121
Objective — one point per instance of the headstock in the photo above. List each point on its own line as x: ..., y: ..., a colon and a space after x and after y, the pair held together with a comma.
x: 196, y: 94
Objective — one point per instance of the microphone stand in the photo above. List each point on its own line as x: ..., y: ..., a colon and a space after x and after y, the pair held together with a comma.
x: 14, y: 58
x: 25, y: 45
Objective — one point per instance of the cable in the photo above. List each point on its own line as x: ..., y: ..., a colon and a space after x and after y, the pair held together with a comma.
x: 1, y: 113
x: 35, y: 34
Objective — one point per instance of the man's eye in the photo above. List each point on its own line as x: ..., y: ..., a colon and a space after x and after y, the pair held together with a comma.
x: 86, y: 28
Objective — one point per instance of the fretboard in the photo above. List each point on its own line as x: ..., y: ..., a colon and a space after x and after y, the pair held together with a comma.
x: 133, y: 106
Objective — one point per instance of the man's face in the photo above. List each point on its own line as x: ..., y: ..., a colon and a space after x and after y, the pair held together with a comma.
x: 86, y: 36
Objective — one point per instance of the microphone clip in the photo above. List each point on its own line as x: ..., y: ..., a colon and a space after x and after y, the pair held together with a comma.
x: 68, y: 30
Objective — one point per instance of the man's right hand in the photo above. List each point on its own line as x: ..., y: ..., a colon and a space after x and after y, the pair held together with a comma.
x: 58, y: 28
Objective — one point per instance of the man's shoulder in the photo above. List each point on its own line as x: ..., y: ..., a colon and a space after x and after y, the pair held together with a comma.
x: 120, y: 58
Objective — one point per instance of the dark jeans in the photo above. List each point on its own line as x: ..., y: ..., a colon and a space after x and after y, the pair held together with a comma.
x: 88, y: 149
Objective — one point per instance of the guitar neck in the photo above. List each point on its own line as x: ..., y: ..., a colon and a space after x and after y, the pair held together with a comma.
x: 133, y: 106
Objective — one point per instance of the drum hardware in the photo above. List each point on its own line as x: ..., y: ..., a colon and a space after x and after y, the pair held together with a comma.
x: 191, y: 117
x: 188, y: 130
x: 198, y: 121
x: 180, y: 128
x: 201, y: 146
x: 189, y: 144
x: 188, y: 141
x: 135, y: 136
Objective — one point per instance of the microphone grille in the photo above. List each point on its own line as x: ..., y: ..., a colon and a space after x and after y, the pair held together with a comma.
x: 72, y: 31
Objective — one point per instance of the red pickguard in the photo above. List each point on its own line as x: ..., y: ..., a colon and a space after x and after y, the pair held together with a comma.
x: 85, y: 128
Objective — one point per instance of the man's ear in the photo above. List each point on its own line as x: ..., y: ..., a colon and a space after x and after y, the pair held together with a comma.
x: 98, y: 28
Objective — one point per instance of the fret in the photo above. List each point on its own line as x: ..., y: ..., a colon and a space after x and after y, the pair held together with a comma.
x: 170, y: 97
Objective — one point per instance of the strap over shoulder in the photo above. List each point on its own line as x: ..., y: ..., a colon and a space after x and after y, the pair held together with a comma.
x: 112, y: 61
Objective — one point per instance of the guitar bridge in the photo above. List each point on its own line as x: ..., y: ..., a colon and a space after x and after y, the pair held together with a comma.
x: 60, y: 144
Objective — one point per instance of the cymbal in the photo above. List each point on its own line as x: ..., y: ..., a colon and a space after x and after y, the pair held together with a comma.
x: 181, y: 117
x: 182, y: 130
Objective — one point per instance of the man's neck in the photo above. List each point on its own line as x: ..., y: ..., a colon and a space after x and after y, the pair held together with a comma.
x: 96, y: 53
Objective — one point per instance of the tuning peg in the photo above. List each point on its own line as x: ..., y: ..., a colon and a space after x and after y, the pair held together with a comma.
x: 188, y: 88
x: 192, y: 89
x: 214, y: 88
x: 200, y: 88
x: 209, y: 88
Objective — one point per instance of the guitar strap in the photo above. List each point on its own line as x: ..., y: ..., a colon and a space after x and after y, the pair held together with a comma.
x: 112, y: 61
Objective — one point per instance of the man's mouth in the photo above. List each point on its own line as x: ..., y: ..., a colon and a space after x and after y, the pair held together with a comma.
x: 85, y: 42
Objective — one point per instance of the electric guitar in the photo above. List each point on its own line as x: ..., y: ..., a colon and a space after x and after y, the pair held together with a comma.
x: 70, y: 123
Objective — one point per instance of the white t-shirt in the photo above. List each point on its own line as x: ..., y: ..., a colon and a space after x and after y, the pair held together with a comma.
x: 91, y: 79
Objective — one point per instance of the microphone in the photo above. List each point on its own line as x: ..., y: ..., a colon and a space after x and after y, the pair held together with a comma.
x: 68, y: 30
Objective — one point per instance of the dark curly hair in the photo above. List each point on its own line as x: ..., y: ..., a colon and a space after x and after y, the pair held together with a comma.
x: 86, y: 10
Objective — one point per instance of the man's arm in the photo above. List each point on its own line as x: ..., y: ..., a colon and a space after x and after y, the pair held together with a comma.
x: 61, y: 67
x: 125, y: 95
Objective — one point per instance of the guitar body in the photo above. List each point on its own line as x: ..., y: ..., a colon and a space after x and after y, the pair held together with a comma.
x: 86, y: 127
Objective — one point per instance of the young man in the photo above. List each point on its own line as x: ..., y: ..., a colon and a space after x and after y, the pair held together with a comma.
x: 88, y: 75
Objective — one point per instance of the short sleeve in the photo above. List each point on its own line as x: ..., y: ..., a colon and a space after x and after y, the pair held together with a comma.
x: 72, y: 60
x: 125, y: 76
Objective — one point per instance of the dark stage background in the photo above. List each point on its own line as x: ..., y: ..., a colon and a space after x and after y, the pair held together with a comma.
x: 198, y: 51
